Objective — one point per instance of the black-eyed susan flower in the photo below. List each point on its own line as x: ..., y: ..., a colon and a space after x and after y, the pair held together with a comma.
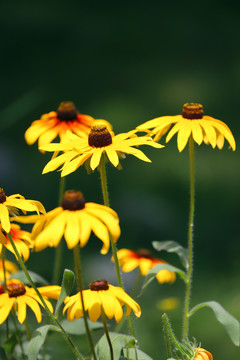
x: 18, y: 296
x: 11, y: 204
x: 130, y: 260
x: 57, y: 123
x: 101, y: 297
x: 10, y: 268
x: 193, y: 123
x: 75, y: 219
x: 21, y: 238
x: 202, y: 354
x: 100, y: 142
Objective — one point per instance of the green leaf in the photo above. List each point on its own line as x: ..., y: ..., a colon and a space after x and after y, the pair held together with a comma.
x: 172, y: 247
x: 37, y: 279
x: 10, y: 344
x: 77, y: 326
x: 38, y: 338
x: 230, y: 323
x: 118, y: 342
x: 66, y: 288
x: 3, y: 355
x: 135, y: 354
x: 153, y: 272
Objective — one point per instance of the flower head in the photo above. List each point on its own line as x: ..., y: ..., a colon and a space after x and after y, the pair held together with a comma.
x: 202, y: 354
x: 130, y: 260
x: 57, y: 123
x: 193, y: 123
x: 11, y: 204
x: 10, y: 268
x: 100, y: 142
x: 75, y: 219
x: 101, y: 297
x: 21, y: 239
x: 19, y: 296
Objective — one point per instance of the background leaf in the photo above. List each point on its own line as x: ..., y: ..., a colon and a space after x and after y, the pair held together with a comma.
x: 66, y: 288
x: 37, y: 279
x: 172, y: 247
x: 134, y: 354
x: 230, y: 323
x: 38, y: 339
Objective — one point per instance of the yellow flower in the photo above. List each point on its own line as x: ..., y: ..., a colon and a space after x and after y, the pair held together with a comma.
x: 57, y: 123
x: 130, y: 260
x: 202, y: 354
x: 21, y: 239
x: 101, y: 297
x: 10, y: 204
x: 76, y: 150
x: 10, y: 268
x: 18, y: 296
x: 193, y: 123
x: 74, y: 219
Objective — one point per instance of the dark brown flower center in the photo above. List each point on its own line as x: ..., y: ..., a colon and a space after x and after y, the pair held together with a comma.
x: 3, y: 197
x: 99, y: 136
x: 144, y: 253
x: 67, y: 111
x: 73, y: 200
x: 192, y: 111
x: 15, y: 290
x: 99, y: 285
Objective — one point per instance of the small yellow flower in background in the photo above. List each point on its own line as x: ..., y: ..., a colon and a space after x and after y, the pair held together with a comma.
x: 57, y: 123
x: 203, y: 354
x: 100, y: 142
x: 10, y: 269
x: 193, y: 123
x: 101, y: 296
x: 11, y: 204
x: 21, y: 238
x: 75, y: 220
x: 18, y: 296
x: 168, y: 304
x: 130, y: 260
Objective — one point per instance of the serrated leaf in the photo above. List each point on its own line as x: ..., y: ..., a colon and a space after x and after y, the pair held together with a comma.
x: 118, y: 342
x: 37, y: 279
x: 77, y: 326
x: 133, y: 354
x: 172, y: 247
x: 66, y: 288
x: 230, y: 323
x: 153, y: 272
x: 38, y: 339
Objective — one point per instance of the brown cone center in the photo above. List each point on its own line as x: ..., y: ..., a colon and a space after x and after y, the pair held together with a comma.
x: 145, y: 253
x: 15, y: 290
x: 73, y: 200
x: 99, y: 285
x: 192, y: 111
x: 3, y: 197
x: 99, y: 136
x: 67, y: 111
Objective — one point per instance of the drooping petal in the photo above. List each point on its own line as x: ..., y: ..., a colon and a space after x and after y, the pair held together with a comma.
x: 32, y: 303
x: 6, y: 307
x: 4, y: 217
x: 210, y: 132
x: 197, y: 131
x: 58, y: 161
x: 21, y: 308
x: 72, y: 230
x: 96, y: 157
x: 112, y: 156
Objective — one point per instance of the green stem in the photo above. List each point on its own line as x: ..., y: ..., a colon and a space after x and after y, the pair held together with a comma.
x: 107, y: 334
x: 52, y: 317
x: 104, y: 186
x: 27, y: 330
x: 58, y: 250
x: 190, y: 240
x: 78, y: 267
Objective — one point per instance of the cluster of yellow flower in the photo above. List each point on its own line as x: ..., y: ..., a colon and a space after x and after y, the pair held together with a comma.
x: 89, y: 141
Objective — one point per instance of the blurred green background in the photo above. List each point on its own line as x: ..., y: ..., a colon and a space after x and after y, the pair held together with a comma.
x: 128, y: 62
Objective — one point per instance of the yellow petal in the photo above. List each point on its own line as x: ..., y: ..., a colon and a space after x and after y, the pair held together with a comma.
x: 32, y: 303
x: 57, y: 161
x: 197, y: 132
x: 210, y: 132
x: 74, y: 164
x: 72, y: 230
x: 145, y: 265
x: 112, y: 156
x: 6, y: 308
x: 96, y: 157
x: 21, y: 309
x: 47, y: 137
x: 4, y: 217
